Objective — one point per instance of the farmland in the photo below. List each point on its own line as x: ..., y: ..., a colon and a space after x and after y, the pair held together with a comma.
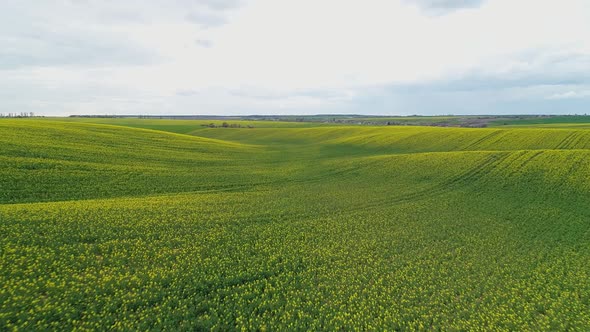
x: 144, y: 224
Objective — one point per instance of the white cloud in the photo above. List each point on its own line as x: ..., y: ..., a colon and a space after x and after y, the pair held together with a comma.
x: 441, y: 7
x: 302, y: 56
x: 204, y: 43
x: 570, y: 95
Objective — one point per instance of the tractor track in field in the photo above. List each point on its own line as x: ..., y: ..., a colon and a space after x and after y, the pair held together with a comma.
x: 512, y: 162
x: 578, y: 138
x: 489, y: 164
x: 483, y: 139
x: 573, y: 140
x: 567, y: 140
x: 521, y: 163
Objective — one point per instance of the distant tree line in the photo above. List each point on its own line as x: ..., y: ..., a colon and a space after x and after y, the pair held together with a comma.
x: 17, y: 115
x: 225, y: 125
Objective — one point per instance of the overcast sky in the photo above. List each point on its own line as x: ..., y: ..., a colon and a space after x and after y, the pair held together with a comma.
x: 217, y: 57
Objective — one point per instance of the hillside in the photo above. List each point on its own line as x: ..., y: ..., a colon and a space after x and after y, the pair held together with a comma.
x: 165, y: 225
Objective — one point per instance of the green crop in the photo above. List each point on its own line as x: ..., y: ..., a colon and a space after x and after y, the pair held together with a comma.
x: 292, y: 228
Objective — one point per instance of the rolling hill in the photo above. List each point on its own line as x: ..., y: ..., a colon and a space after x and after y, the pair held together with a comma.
x: 140, y: 224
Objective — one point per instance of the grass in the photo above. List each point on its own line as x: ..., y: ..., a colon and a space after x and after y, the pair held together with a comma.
x: 105, y: 226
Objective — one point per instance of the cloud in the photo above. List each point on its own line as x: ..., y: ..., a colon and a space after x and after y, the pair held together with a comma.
x: 206, y: 19
x: 540, y: 67
x: 518, y: 83
x: 187, y: 93
x: 102, y: 33
x: 265, y: 56
x: 266, y: 94
x: 41, y: 47
x: 204, y: 43
x: 444, y: 6
x: 208, y: 13
x: 219, y: 4
x: 570, y: 95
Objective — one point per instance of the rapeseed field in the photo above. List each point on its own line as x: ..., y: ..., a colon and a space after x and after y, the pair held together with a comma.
x: 132, y: 224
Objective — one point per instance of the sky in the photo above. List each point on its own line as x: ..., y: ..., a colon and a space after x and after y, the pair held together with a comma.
x: 239, y: 57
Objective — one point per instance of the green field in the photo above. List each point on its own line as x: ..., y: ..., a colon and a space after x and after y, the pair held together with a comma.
x: 564, y: 121
x: 135, y: 224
